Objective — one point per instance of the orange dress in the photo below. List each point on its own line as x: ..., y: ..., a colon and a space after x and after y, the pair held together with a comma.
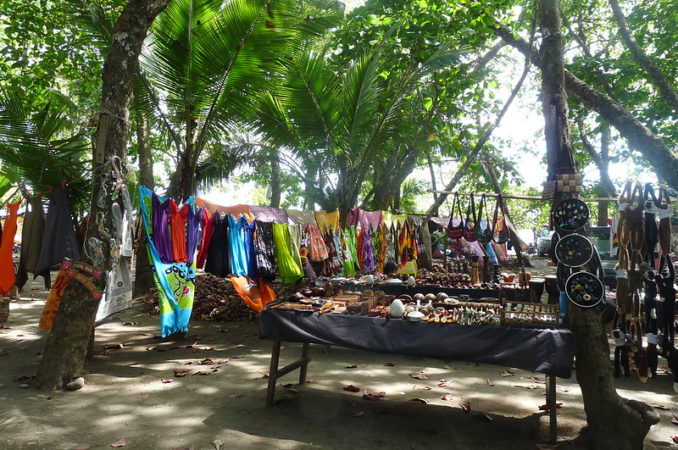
x: 7, y: 272
x: 178, y: 219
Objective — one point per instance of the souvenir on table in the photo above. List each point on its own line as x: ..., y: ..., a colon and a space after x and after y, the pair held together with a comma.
x: 574, y: 250
x: 534, y: 315
x: 584, y: 289
x: 570, y: 214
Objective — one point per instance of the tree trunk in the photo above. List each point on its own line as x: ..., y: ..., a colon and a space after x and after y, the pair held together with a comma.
x: 639, y: 137
x: 275, y: 178
x: 654, y: 74
x: 433, y: 182
x: 143, y: 272
x: 309, y: 183
x: 613, y: 423
x: 66, y: 346
x: 609, y: 189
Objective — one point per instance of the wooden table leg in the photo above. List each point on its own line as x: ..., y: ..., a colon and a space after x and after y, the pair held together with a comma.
x: 273, y: 373
x: 551, y: 404
x: 304, y: 367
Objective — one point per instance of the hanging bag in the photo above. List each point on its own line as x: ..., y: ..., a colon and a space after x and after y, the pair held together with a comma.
x: 664, y: 214
x: 471, y: 224
x: 455, y: 232
x: 484, y: 236
x: 500, y: 235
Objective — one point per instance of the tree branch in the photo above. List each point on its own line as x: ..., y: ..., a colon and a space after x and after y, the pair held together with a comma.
x: 655, y: 75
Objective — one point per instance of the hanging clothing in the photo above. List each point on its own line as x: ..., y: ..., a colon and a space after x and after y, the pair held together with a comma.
x: 382, y: 243
x: 178, y: 219
x: 258, y: 295
x: 368, y: 263
x: 174, y: 282
x: 162, y: 237
x: 264, y: 252
x: 327, y: 220
x: 363, y: 218
x: 334, y: 262
x: 300, y: 217
x: 250, y: 252
x: 391, y: 250
x: 235, y: 211
x: 295, y: 235
x: 268, y: 214
x: 192, y: 232
x: 59, y: 240
x: 393, y: 219
x: 7, y: 272
x: 207, y: 226
x: 218, y: 259
x: 350, y: 250
x: 31, y: 240
x: 317, y: 250
x: 236, y: 241
x: 286, y: 256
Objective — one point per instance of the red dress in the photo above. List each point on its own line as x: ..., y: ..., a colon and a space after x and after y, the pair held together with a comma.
x: 7, y: 272
x: 178, y: 221
x: 207, y: 231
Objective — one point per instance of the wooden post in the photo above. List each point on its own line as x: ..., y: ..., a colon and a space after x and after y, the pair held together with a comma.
x: 304, y: 367
x: 273, y: 373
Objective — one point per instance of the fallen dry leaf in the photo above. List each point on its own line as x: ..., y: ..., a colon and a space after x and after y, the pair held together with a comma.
x: 466, y: 406
x: 507, y: 373
x: 113, y: 346
x: 427, y: 388
x: 82, y: 447
x: 166, y: 380
x: 420, y: 400
x: 373, y: 395
x: 351, y: 388
x: 193, y: 345
x: 546, y: 407
x: 150, y: 349
x: 187, y: 363
x: 674, y: 419
x: 533, y: 387
x: 419, y: 376
x: 206, y: 362
x: 181, y: 373
x: 235, y: 395
x: 443, y: 383
x: 351, y: 366
x: 448, y: 367
x: 488, y: 382
x: 446, y: 397
x: 119, y: 443
x: 662, y: 407
x: 202, y: 372
x: 389, y: 364
x: 218, y: 443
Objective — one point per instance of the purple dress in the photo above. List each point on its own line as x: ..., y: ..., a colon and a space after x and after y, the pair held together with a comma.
x: 369, y: 264
x: 161, y: 231
x: 193, y: 233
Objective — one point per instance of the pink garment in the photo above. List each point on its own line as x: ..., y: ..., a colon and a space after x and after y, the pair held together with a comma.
x: 364, y: 218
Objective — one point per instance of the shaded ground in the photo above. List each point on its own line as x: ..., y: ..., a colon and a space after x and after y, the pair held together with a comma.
x: 125, y: 397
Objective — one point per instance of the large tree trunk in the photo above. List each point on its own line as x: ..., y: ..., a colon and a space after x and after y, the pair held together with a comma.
x: 639, y: 137
x: 654, y: 74
x: 66, y: 346
x: 613, y: 423
x: 602, y: 162
x: 143, y: 272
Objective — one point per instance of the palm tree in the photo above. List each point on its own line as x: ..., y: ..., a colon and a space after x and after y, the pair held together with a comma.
x: 348, y: 118
x: 207, y: 61
x: 39, y: 148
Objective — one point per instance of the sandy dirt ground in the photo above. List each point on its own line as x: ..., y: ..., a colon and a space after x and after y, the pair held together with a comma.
x: 132, y: 394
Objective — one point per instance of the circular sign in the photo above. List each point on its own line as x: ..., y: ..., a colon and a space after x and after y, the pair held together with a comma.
x: 571, y: 214
x: 584, y: 289
x: 574, y: 250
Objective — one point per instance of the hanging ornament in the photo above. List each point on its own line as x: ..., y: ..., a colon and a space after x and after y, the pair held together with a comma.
x: 574, y: 250
x: 584, y: 289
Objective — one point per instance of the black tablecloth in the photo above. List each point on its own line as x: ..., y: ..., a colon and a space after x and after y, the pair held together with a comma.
x: 545, y: 351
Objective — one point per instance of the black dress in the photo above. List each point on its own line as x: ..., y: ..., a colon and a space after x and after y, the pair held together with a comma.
x: 218, y: 262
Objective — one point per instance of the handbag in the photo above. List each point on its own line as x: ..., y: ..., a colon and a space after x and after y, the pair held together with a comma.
x: 456, y: 232
x: 484, y: 236
x: 471, y: 226
x: 500, y: 236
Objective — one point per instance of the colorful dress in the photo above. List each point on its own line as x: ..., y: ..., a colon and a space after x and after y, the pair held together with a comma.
x: 7, y: 272
x: 236, y: 241
x: 162, y: 238
x: 264, y: 251
x: 286, y: 256
x: 207, y: 232
x: 177, y: 219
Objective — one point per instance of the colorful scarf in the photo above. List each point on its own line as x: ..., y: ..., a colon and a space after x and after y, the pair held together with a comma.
x: 174, y: 280
x: 286, y: 255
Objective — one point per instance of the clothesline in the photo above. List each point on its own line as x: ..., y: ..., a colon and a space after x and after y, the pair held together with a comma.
x: 524, y: 197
